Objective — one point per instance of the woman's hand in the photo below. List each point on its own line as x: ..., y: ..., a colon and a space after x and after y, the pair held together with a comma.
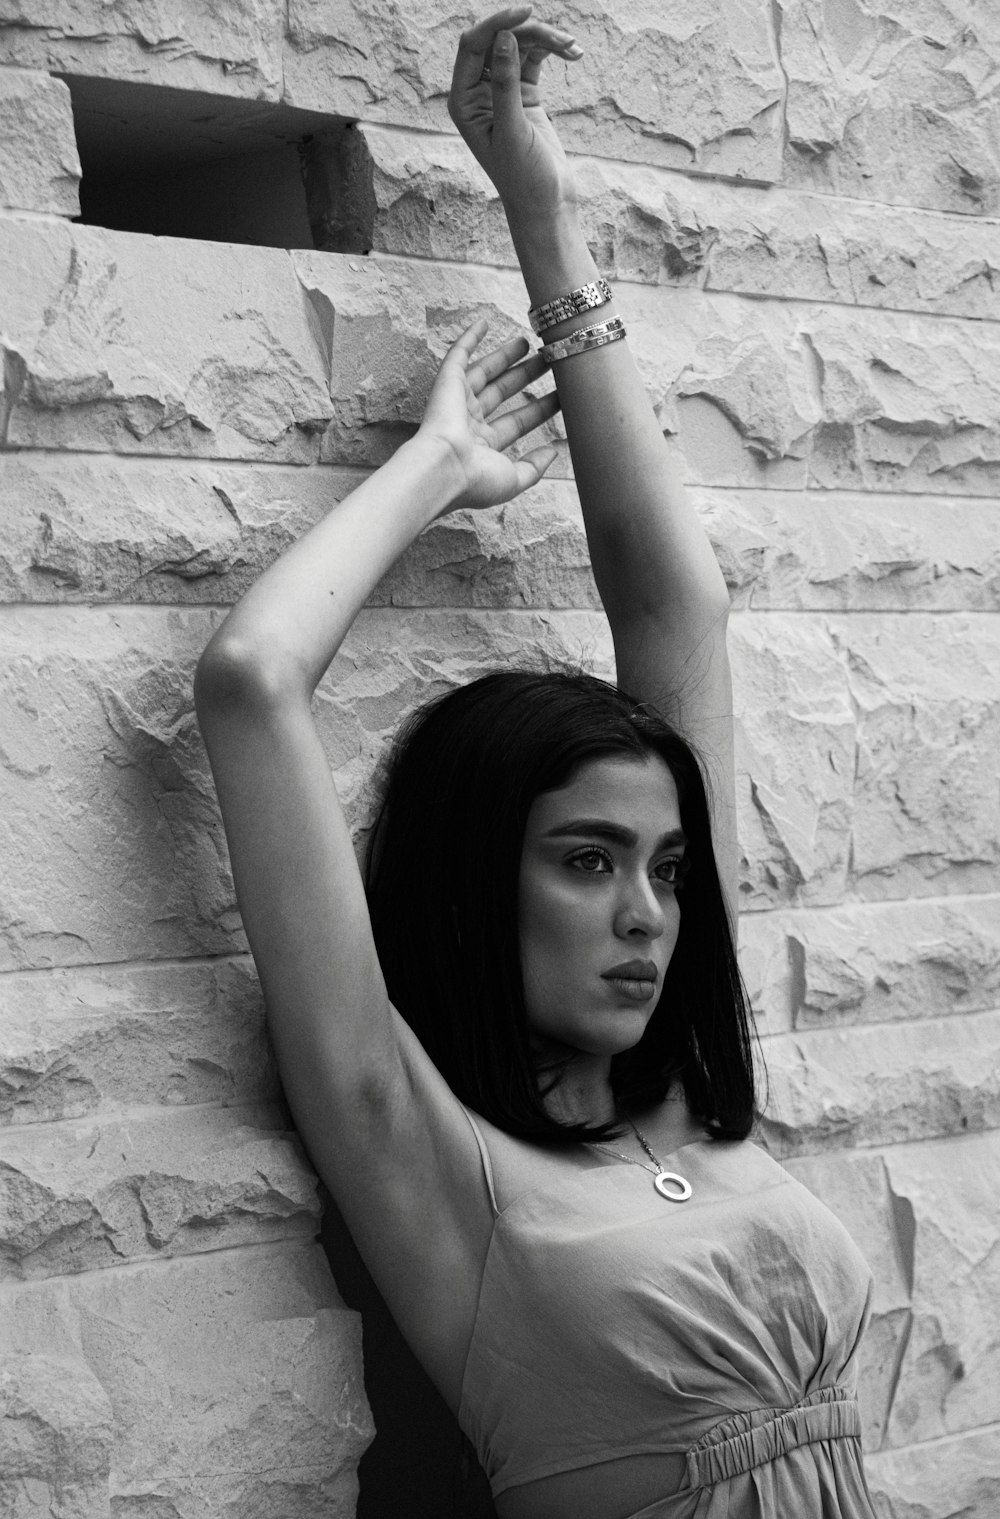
x: 501, y: 117
x: 460, y: 416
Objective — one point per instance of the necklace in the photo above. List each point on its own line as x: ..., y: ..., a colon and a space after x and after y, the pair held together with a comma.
x: 663, y: 1181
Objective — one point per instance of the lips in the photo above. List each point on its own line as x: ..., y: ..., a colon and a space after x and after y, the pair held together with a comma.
x: 635, y: 980
x: 632, y: 970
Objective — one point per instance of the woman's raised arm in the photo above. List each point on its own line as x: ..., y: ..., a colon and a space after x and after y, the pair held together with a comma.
x: 658, y: 577
x: 378, y: 1121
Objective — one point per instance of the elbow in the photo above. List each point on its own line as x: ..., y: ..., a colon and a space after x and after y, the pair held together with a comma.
x: 234, y: 675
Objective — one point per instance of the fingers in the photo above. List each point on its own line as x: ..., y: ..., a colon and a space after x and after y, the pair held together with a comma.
x: 535, y: 39
x: 532, y: 467
x: 524, y: 419
x: 505, y: 64
x: 465, y: 345
x: 475, y: 44
x: 509, y: 382
x: 477, y: 40
x: 491, y: 365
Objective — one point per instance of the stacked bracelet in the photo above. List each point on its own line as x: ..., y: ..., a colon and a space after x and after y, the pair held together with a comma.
x: 583, y: 339
x: 562, y: 307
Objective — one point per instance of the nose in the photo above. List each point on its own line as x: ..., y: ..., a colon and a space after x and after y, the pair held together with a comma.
x: 639, y: 912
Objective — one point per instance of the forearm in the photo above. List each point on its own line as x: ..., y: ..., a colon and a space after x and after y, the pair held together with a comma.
x: 650, y: 555
x: 292, y: 621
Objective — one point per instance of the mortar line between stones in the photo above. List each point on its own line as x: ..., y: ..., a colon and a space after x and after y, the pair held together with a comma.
x: 140, y: 1112
x: 168, y: 962
x: 8, y: 608
x: 14, y: 1286
x: 876, y: 1147
x: 138, y: 460
x: 854, y: 1026
x: 759, y: 296
x: 961, y: 217
x: 961, y: 1434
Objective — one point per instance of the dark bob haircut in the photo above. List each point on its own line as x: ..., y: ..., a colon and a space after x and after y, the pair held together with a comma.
x: 442, y: 881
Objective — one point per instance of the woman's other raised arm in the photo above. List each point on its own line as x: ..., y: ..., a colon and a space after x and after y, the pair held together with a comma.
x: 657, y: 574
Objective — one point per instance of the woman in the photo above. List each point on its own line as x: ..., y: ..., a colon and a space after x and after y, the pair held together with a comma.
x: 521, y: 1064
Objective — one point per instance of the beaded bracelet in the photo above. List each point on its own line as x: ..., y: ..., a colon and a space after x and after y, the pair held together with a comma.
x: 561, y: 307
x: 583, y: 340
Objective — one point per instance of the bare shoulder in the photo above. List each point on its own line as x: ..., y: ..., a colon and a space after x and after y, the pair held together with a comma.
x: 404, y: 1167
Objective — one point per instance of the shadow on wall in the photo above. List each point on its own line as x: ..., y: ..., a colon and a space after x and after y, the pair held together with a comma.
x: 419, y: 1462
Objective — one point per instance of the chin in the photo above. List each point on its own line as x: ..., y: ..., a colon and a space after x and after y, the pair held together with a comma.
x: 624, y: 1035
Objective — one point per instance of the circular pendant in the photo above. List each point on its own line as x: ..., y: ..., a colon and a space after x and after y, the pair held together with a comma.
x: 665, y: 1181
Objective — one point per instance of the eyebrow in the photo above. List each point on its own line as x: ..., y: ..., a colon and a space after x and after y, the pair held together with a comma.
x: 600, y: 828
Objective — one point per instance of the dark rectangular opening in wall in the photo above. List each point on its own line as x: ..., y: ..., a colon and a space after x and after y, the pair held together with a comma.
x: 177, y: 163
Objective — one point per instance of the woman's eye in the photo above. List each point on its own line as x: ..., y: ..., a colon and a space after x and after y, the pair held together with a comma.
x: 591, y: 861
x: 672, y: 871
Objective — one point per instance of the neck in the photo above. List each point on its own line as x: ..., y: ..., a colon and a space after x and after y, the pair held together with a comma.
x: 583, y: 1093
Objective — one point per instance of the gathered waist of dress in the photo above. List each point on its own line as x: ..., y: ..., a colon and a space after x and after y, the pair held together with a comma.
x: 676, y: 1485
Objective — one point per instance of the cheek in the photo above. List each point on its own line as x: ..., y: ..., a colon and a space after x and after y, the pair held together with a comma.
x: 554, y: 926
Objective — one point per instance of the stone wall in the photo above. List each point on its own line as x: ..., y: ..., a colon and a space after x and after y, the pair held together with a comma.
x: 800, y: 204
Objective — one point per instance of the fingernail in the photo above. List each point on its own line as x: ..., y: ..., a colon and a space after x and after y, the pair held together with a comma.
x: 573, y: 51
x: 504, y: 42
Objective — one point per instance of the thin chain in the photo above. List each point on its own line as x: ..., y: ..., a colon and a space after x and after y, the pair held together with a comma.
x: 655, y: 1170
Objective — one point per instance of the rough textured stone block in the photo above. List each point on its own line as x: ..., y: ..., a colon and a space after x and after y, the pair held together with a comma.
x: 224, y: 49
x: 950, y: 1369
x: 693, y: 85
x: 39, y: 164
x: 111, y: 834
x: 885, y: 1084
x: 813, y: 247
x: 950, y: 1479
x: 98, y: 1041
x: 224, y: 361
x: 56, y: 1424
x: 79, y: 1199
x: 882, y: 961
x: 90, y: 529
x: 657, y: 226
x: 804, y: 550
x: 785, y: 395
x: 856, y: 1188
x: 234, y: 1378
x: 795, y: 765
x: 759, y: 392
x: 894, y: 102
x: 386, y: 338
x: 94, y: 529
x: 926, y: 691
x: 767, y: 970
x: 907, y: 405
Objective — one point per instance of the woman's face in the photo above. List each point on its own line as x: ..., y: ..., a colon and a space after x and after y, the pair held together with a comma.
x: 598, y: 913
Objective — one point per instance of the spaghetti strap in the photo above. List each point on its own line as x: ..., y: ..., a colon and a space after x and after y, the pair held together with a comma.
x: 487, y: 1166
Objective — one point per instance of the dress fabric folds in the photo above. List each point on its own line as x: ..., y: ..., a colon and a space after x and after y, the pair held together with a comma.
x: 789, y: 1464
x: 724, y: 1330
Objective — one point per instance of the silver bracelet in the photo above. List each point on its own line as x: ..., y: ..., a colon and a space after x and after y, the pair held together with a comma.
x: 562, y: 307
x: 583, y: 340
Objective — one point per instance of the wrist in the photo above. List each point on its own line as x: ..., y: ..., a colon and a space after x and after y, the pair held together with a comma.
x: 434, y: 471
x: 528, y: 219
x: 553, y: 255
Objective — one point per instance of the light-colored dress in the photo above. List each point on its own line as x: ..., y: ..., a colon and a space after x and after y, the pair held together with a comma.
x: 613, y: 1323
